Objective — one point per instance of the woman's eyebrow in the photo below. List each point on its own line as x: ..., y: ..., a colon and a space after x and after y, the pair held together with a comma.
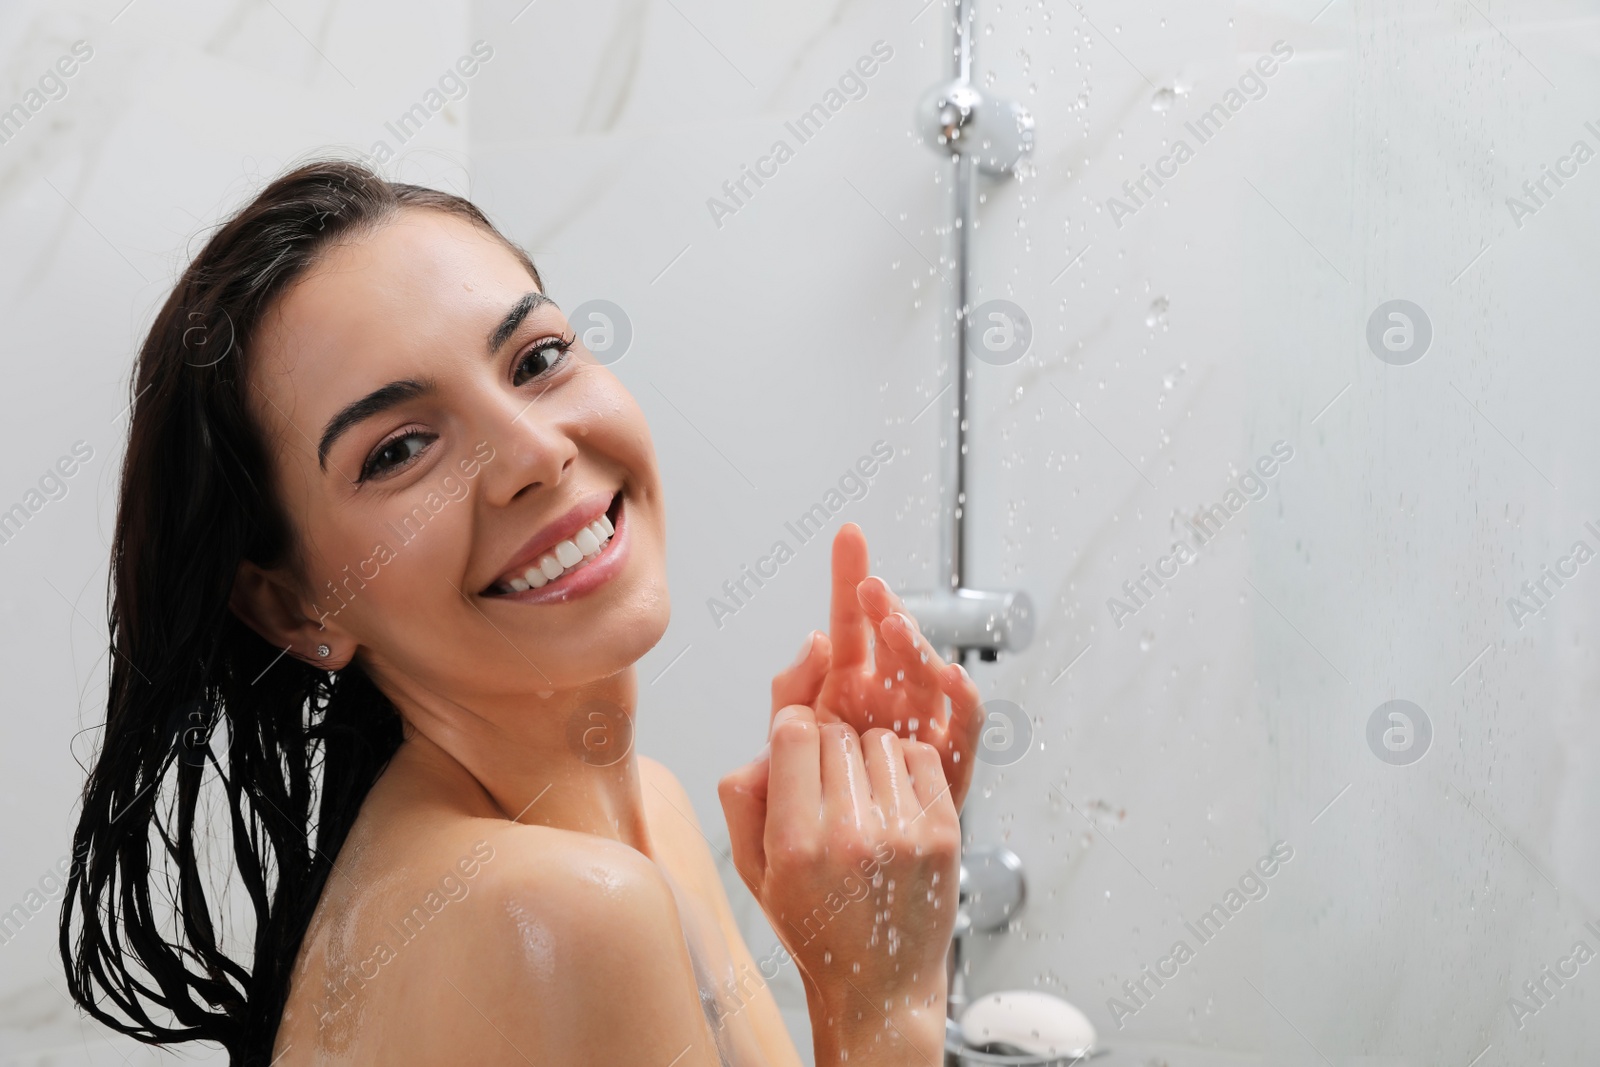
x: 514, y: 317
x: 377, y: 401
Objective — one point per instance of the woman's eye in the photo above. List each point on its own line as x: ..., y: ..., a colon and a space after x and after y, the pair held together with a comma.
x: 541, y: 359
x: 396, y: 453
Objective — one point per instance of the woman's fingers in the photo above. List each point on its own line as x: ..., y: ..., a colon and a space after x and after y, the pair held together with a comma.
x: 848, y: 625
x: 959, y: 741
x: 966, y: 706
x: 890, y: 779
x: 936, y: 827
x: 846, y: 793
x: 744, y: 805
x: 794, y: 785
x: 801, y: 681
x: 904, y: 649
x: 927, y: 777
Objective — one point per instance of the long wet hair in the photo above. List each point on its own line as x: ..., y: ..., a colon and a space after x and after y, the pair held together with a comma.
x: 223, y: 759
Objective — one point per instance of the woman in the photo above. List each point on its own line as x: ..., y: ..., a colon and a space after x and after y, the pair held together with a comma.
x: 389, y: 544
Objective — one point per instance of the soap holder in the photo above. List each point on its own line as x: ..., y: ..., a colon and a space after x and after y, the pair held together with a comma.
x: 957, y: 1051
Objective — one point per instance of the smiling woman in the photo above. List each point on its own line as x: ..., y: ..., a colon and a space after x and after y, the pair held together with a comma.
x: 390, y: 343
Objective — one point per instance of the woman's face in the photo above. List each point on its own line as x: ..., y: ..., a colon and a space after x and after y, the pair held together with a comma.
x: 432, y: 439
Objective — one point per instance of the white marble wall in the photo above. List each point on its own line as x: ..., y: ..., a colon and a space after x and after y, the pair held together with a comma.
x: 774, y: 345
x: 179, y: 113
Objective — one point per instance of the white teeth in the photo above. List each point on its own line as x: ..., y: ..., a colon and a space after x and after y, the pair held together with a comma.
x: 587, y: 543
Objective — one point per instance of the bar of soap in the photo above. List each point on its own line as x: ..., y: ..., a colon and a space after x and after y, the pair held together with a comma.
x: 1033, y: 1022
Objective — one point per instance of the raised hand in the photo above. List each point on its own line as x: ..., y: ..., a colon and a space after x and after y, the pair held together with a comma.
x: 875, y: 669
x: 851, y: 845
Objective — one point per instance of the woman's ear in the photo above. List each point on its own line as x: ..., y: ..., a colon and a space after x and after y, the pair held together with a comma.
x: 267, y: 602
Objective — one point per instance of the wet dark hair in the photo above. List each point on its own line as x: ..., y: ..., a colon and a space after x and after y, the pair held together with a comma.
x: 214, y: 739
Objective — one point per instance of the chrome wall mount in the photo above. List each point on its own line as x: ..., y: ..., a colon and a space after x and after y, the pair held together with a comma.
x: 979, y: 134
x: 992, y: 892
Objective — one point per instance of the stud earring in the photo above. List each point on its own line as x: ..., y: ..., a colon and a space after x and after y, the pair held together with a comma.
x: 323, y: 651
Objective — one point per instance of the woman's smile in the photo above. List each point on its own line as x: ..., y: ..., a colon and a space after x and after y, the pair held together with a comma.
x: 570, y: 557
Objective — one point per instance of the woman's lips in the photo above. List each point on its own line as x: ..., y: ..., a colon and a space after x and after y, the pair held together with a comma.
x: 588, y: 573
x: 537, y: 562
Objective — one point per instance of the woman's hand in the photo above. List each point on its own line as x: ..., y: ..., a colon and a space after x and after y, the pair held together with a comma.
x: 851, y: 844
x: 899, y: 683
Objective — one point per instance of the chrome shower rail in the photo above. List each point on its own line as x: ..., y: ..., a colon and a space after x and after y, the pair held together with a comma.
x: 979, y: 134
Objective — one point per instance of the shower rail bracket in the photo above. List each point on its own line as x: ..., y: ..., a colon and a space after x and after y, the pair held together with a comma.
x: 985, y: 621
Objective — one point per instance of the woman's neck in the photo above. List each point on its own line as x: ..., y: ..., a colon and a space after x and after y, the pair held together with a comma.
x: 564, y: 759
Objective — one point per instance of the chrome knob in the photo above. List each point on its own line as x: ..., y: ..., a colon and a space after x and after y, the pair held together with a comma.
x: 992, y: 889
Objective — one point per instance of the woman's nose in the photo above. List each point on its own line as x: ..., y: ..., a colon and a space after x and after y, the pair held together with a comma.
x: 531, y: 449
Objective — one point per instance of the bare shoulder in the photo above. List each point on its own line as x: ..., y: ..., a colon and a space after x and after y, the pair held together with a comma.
x: 497, y: 942
x: 684, y: 844
x: 656, y: 776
